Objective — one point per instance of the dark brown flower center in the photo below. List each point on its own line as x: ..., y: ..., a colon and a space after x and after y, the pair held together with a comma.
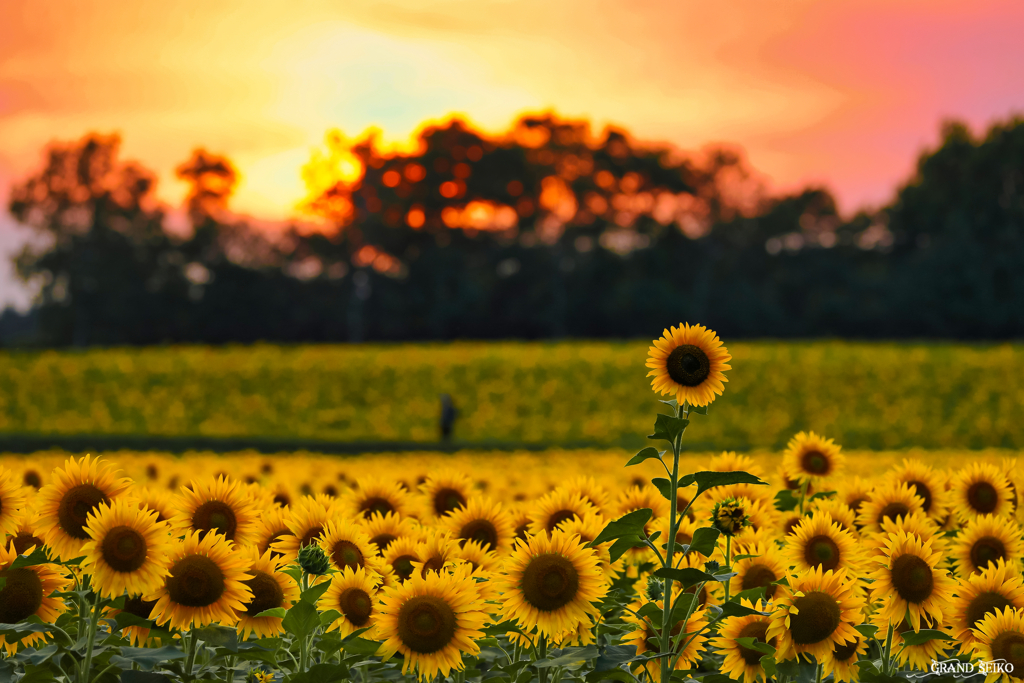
x: 523, y: 530
x: 139, y: 607
x: 382, y: 541
x: 346, y: 554
x: 912, y: 578
x: 817, y: 617
x: 266, y: 593
x: 124, y: 549
x: 815, y: 462
x: 21, y: 595
x: 922, y: 491
x: 426, y: 624
x: 195, y: 581
x: 843, y: 651
x: 550, y: 581
x: 893, y: 511
x: 447, y: 500
x: 559, y: 517
x: 433, y: 564
x: 75, y: 507
x: 32, y: 478
x: 982, y: 497
x: 1009, y: 645
x: 983, y: 604
x: 756, y: 630
x: 481, y: 531
x: 24, y: 540
x: 356, y: 605
x: 688, y: 365
x: 758, y: 576
x: 822, y: 551
x: 403, y: 566
x: 272, y: 540
x: 987, y: 550
x: 216, y: 516
x: 312, y: 535
x: 376, y: 504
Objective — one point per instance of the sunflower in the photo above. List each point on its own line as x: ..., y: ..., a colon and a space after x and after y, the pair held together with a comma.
x: 742, y: 663
x: 788, y: 523
x: 481, y: 520
x: 1001, y: 639
x: 26, y: 534
x: 914, y: 524
x: 446, y: 491
x: 437, y: 551
x: 551, y: 582
x: 767, y: 565
x: 306, y: 521
x: 839, y: 511
x: 590, y: 527
x: 158, y: 500
x: 432, y: 620
x: 383, y: 530
x: 646, y: 641
x: 219, y: 505
x: 928, y: 484
x: 28, y: 591
x: 129, y: 551
x: 12, y: 502
x: 854, y: 492
x: 908, y: 581
x: 981, y: 489
x: 400, y: 556
x: 820, y: 542
x: 353, y: 594
x: 270, y: 588
x: 985, y: 540
x: 271, y: 527
x: 688, y: 362
x: 520, y: 522
x: 590, y: 491
x: 730, y: 461
x: 842, y: 661
x: 64, y: 505
x: 205, y: 585
x: 813, y: 458
x: 347, y: 545
x: 891, y: 500
x: 559, y: 506
x: 377, y: 495
x: 817, y: 613
x: 995, y: 587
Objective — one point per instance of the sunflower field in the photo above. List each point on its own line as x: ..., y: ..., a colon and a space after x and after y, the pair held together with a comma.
x: 809, y: 564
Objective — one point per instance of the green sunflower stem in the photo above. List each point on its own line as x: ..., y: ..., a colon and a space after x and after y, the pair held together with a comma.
x: 803, y: 494
x: 191, y: 645
x: 887, y: 653
x: 682, y: 410
x: 817, y: 676
x: 90, y: 638
x: 542, y: 654
x: 728, y: 563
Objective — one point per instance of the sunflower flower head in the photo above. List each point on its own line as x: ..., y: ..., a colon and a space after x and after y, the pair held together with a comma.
x: 689, y: 361
x: 730, y: 516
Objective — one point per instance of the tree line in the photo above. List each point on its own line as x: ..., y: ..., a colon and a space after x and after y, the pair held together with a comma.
x: 548, y: 230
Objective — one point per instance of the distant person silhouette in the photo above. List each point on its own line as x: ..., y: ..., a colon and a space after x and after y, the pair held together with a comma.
x: 448, y: 414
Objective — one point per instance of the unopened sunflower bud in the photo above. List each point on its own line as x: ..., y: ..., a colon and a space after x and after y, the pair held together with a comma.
x: 729, y: 516
x: 712, y: 566
x: 654, y: 590
x: 314, y: 560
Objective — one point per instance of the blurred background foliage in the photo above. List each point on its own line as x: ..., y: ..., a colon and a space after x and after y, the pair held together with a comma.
x: 865, y: 395
x: 547, y: 231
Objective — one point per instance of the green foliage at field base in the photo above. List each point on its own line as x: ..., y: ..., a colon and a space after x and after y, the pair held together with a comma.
x: 864, y: 395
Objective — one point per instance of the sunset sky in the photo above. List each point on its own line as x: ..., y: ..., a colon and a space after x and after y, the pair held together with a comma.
x: 840, y: 92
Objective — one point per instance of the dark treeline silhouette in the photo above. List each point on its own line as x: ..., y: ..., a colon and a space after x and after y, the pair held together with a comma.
x: 547, y: 231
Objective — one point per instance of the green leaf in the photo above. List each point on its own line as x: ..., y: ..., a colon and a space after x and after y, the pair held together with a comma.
x: 755, y: 644
x: 823, y: 494
x: 37, y: 674
x: 752, y: 594
x: 361, y: 646
x: 38, y: 556
x: 664, y: 487
x: 682, y: 605
x: 704, y: 540
x: 668, y: 427
x: 612, y: 674
x: 125, y: 619
x: 710, y: 480
x: 648, y: 453
x: 501, y: 628
x: 735, y: 609
x: 147, y: 657
x: 700, y: 410
x: 301, y: 619
x: 278, y: 612
x: 569, y: 655
x: 867, y: 630
x: 129, y: 676
x: 687, y: 576
x: 786, y: 501
x: 623, y: 545
x: 312, y: 594
x: 321, y: 673
x: 923, y: 636
x: 737, y: 558
x: 631, y: 524
x: 218, y: 636
x: 768, y: 664
x: 329, y: 617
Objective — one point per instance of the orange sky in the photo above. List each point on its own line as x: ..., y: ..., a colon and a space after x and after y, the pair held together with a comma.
x: 841, y: 92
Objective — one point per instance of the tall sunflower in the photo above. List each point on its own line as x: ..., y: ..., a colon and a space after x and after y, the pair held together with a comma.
x: 28, y: 591
x: 813, y: 458
x: 766, y: 566
x: 909, y: 582
x: 817, y: 613
x: 129, y: 551
x: 996, y: 587
x: 689, y: 362
x: 352, y: 593
x: 271, y: 588
x: 820, y: 542
x: 432, y: 620
x: 1001, y: 639
x: 981, y: 489
x: 551, y: 582
x: 347, y: 545
x: 741, y: 662
x: 205, y: 585
x: 985, y: 540
x: 12, y: 502
x: 220, y: 506
x: 888, y: 501
x: 64, y: 505
x: 483, y: 521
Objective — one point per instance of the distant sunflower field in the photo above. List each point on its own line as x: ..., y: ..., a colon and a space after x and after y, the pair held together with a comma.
x: 809, y: 563
x: 865, y: 395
